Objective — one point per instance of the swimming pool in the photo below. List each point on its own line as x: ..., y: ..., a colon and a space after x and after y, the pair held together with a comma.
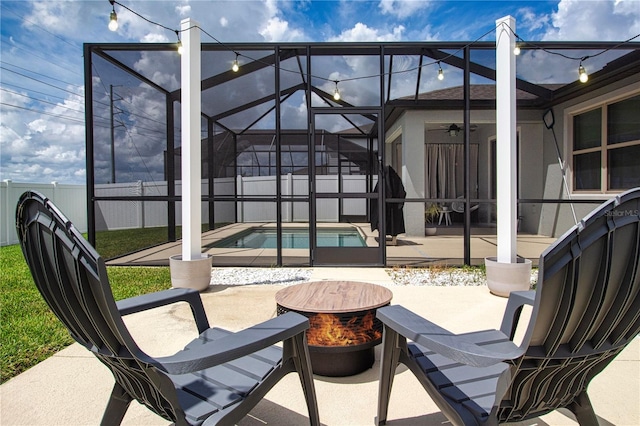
x: 292, y: 238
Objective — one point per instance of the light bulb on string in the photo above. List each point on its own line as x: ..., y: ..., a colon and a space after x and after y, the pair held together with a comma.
x: 179, y: 44
x: 582, y: 73
x: 336, y: 92
x: 516, y: 50
x: 113, y: 17
x: 440, y: 72
x: 236, y: 66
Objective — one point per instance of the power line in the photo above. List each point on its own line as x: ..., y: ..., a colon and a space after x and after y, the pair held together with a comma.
x: 139, y: 155
x: 37, y: 73
x: 145, y: 116
x: 49, y: 114
x: 42, y: 100
x: 50, y: 103
x: 30, y: 52
x: 4, y: 83
x: 38, y: 26
x: 137, y: 126
x: 40, y: 81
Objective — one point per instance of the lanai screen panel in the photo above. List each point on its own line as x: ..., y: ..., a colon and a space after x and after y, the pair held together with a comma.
x: 129, y: 150
x: 358, y: 78
x: 225, y: 91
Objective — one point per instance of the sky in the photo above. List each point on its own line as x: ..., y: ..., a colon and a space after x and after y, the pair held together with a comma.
x: 42, y: 133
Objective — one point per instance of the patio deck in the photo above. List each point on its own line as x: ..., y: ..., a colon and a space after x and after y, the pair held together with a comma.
x: 445, y: 248
x: 72, y: 387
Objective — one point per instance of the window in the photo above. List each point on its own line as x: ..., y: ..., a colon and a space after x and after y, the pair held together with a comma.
x: 606, y: 147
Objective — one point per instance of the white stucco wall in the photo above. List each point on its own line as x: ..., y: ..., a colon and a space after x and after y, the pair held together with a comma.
x: 556, y: 219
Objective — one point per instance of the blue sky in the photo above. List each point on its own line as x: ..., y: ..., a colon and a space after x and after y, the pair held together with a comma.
x: 41, y: 75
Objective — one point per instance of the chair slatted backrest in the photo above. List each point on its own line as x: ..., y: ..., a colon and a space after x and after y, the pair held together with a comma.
x: 72, y: 278
x: 587, y: 309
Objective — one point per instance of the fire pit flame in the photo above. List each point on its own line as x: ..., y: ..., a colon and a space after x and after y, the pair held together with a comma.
x: 329, y: 330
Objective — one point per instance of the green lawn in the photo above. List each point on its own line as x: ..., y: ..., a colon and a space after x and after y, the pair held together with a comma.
x: 29, y: 332
x: 123, y: 241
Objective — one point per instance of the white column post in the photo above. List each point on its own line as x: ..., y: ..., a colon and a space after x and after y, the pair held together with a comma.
x: 506, y: 140
x: 191, y: 155
x: 413, y: 170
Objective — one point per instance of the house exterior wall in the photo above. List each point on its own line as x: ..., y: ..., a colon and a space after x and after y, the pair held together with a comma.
x: 555, y: 219
x: 539, y: 170
x: 530, y: 128
x: 531, y: 152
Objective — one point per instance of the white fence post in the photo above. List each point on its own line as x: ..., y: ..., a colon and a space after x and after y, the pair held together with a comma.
x: 140, y: 204
x: 241, y: 203
x: 5, y: 230
x: 54, y: 192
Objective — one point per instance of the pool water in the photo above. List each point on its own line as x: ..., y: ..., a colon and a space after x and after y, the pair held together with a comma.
x: 292, y: 238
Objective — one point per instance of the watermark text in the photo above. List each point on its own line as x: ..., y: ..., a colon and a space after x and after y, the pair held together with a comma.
x: 619, y: 213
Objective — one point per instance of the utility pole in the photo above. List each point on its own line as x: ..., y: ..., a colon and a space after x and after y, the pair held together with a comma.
x: 113, y: 142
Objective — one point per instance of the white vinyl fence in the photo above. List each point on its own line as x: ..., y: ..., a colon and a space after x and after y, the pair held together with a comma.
x: 111, y: 215
x: 71, y: 199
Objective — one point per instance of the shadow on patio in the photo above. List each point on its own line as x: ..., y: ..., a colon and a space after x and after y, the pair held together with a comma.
x: 73, y: 387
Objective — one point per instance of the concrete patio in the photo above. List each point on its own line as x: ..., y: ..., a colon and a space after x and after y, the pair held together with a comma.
x: 72, y: 387
x: 445, y: 248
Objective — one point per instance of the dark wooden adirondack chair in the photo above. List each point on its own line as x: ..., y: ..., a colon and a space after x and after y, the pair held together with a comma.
x: 217, y: 379
x: 586, y: 309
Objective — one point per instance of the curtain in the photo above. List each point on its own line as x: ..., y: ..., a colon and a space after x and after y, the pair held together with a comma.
x: 445, y: 170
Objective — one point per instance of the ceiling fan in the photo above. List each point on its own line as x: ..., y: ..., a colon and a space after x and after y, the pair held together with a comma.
x: 453, y: 130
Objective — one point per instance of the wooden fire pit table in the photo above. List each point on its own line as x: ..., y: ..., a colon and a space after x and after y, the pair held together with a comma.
x: 343, y: 326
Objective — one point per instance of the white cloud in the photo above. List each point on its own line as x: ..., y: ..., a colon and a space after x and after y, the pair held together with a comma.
x: 402, y: 9
x: 154, y: 38
x: 37, y: 146
x: 362, y: 32
x: 183, y: 9
x: 51, y: 15
x: 276, y: 29
x: 532, y: 21
x: 159, y: 68
x: 594, y: 20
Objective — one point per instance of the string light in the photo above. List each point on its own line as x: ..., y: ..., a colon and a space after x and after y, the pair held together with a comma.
x: 336, y: 93
x: 179, y: 43
x: 113, y: 17
x: 236, y: 66
x: 582, y: 73
x: 113, y: 25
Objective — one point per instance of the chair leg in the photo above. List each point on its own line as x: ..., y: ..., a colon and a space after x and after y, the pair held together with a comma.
x: 388, y: 365
x: 583, y: 410
x: 117, y: 407
x: 303, y: 366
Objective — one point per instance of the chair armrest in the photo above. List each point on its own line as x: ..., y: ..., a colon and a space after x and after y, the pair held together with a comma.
x: 441, y: 341
x: 234, y: 345
x: 167, y: 297
x: 517, y: 300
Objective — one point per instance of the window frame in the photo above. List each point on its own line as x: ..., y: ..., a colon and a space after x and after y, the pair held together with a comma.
x: 601, y: 102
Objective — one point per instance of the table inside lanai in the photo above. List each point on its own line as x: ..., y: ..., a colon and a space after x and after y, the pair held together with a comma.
x: 343, y: 328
